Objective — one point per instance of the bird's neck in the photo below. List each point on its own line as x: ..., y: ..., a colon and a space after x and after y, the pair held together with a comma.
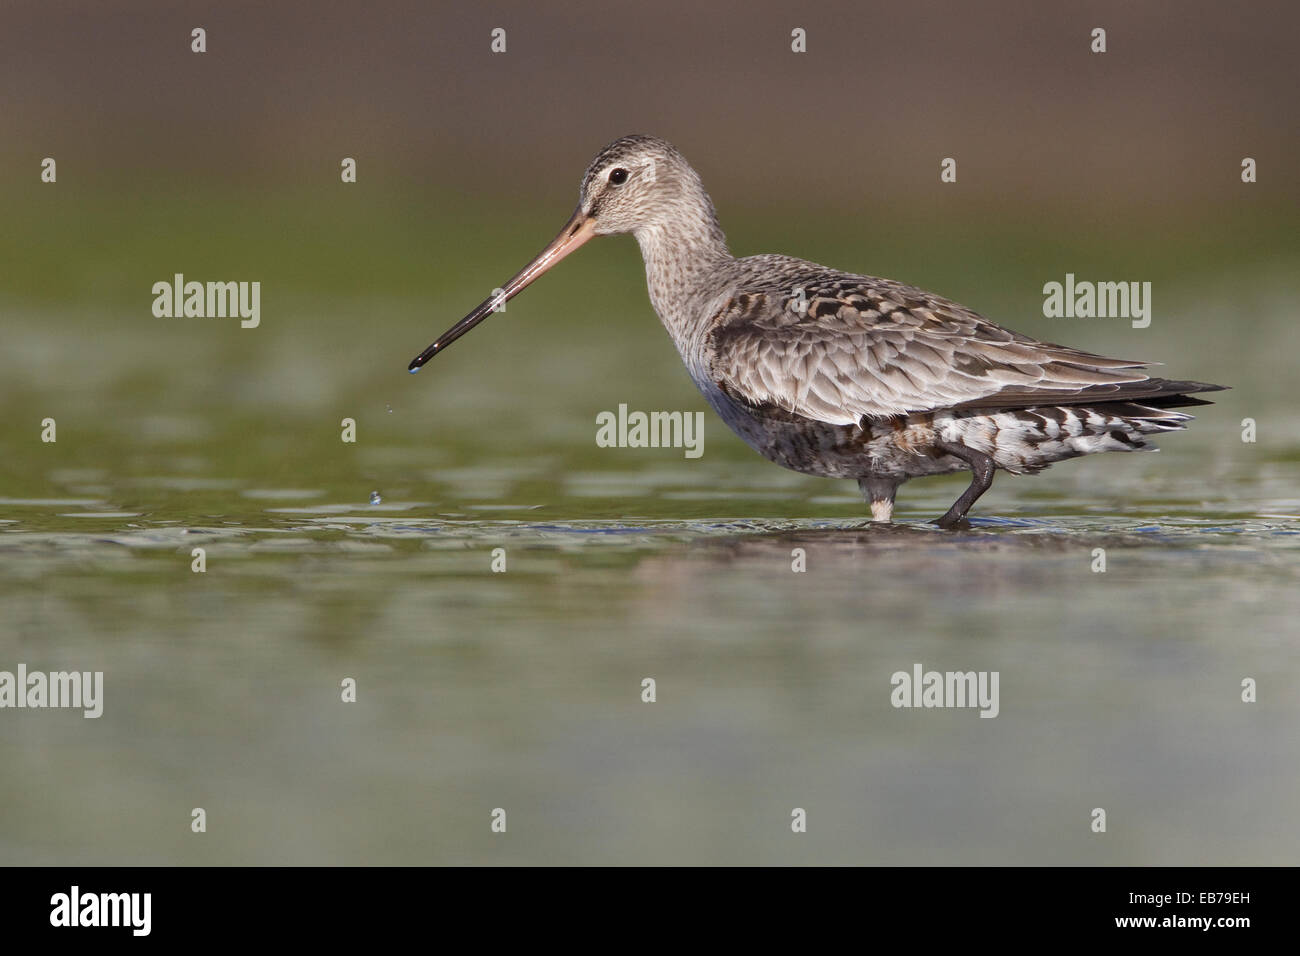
x: 683, y: 259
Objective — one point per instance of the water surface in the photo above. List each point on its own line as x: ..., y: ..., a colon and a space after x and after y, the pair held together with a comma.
x: 522, y: 689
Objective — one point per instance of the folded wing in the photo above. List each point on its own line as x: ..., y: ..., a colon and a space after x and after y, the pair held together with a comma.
x: 837, y: 348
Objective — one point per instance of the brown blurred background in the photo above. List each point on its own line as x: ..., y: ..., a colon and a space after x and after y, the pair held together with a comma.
x: 885, y: 90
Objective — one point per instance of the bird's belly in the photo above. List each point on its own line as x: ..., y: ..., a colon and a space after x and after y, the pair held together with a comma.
x: 896, y: 448
x: 1021, y: 441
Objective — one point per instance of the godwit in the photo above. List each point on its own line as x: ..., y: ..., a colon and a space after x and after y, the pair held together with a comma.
x: 841, y: 375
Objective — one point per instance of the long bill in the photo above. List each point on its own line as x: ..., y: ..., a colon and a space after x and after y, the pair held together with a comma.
x: 576, y: 231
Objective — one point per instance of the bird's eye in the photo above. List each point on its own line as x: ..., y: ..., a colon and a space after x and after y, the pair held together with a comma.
x: 618, y: 176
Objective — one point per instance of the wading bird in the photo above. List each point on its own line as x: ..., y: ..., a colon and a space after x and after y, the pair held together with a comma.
x: 848, y: 376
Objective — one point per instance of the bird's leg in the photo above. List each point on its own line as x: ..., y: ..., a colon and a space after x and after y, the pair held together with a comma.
x: 880, y: 493
x: 981, y: 466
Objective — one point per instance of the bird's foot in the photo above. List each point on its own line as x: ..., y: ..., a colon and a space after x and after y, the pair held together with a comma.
x: 952, y: 522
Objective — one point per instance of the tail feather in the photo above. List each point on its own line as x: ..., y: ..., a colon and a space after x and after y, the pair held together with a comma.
x: 1158, y: 392
x: 1027, y: 440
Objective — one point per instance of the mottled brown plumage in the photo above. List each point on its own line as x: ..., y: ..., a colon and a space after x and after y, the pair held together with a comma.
x: 850, y: 376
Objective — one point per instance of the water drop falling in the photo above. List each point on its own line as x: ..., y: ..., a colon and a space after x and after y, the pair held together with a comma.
x: 374, y: 498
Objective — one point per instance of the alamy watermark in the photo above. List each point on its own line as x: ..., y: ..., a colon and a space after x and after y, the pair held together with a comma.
x: 129, y: 910
x: 946, y: 689
x: 53, y: 689
x: 211, y: 300
x: 651, y: 430
x: 1098, y: 300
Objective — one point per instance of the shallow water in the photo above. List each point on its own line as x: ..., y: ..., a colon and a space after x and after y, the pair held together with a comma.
x: 522, y: 689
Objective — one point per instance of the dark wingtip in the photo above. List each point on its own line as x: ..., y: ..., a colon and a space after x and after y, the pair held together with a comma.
x: 1180, y: 395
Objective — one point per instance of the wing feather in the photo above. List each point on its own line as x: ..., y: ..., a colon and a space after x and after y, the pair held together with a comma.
x: 865, y: 347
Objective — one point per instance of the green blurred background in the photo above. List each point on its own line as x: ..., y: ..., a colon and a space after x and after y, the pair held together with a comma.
x: 522, y: 690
